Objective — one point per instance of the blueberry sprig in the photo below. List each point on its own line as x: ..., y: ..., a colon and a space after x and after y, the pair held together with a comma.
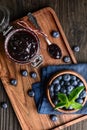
x: 70, y: 100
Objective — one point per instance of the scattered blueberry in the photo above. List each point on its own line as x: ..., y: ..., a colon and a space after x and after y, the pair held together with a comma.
x: 53, y: 118
x: 33, y: 75
x: 76, y: 48
x: 13, y: 82
x: 31, y: 93
x: 55, y: 34
x: 4, y: 105
x: 24, y: 73
x: 66, y: 59
x: 66, y: 77
x: 79, y: 100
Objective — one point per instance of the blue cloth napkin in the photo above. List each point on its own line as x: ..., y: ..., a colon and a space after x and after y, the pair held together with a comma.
x: 42, y: 103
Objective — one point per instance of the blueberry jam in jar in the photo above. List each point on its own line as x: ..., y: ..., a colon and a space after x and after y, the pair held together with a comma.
x: 22, y: 45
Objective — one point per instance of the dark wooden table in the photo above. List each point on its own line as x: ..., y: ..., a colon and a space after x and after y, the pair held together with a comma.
x: 73, y: 18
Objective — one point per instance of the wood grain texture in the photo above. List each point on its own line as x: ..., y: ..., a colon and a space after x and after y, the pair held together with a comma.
x: 24, y: 106
x: 73, y: 17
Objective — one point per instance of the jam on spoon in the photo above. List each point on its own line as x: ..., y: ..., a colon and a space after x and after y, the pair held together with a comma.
x: 53, y: 49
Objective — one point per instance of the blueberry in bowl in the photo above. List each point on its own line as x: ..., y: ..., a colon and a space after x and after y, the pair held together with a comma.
x: 22, y: 45
x: 66, y: 91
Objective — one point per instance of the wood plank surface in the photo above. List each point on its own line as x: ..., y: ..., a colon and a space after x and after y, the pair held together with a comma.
x: 74, y: 12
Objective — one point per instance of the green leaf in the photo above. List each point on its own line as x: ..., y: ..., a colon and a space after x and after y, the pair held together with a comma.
x: 75, y: 93
x: 62, y: 97
x: 60, y: 105
x: 76, y: 105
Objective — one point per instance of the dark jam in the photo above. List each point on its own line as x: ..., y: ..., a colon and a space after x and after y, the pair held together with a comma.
x: 22, y: 46
x: 54, y: 51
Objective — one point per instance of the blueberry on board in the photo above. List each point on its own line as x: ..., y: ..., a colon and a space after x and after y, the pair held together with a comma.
x: 66, y: 77
x: 82, y: 94
x: 33, y: 75
x: 4, y: 105
x: 57, y: 87
x: 76, y: 48
x: 24, y: 73
x: 79, y: 100
x: 53, y: 118
x: 66, y: 59
x: 55, y: 34
x: 13, y: 82
x: 70, y: 88
x: 31, y: 93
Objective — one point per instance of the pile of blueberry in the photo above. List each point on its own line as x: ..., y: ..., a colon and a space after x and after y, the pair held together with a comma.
x: 65, y: 84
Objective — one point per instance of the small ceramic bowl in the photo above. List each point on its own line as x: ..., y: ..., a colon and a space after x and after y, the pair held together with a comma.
x: 79, y: 78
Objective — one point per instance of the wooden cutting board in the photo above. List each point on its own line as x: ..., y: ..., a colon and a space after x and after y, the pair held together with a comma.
x: 23, y: 105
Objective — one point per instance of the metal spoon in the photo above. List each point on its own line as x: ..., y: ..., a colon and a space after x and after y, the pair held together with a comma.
x: 53, y: 49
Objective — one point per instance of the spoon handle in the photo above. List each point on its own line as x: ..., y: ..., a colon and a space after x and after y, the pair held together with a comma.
x: 33, y: 20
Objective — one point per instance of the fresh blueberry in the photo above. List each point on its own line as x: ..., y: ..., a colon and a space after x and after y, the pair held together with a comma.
x: 82, y: 94
x: 31, y: 93
x: 73, y: 77
x: 52, y: 94
x: 33, y: 75
x: 56, y: 81
x: 55, y: 34
x: 74, y: 83
x: 24, y: 73
x: 66, y: 83
x: 76, y: 48
x: 70, y: 107
x: 78, y: 80
x: 4, y: 105
x: 66, y: 59
x: 63, y: 90
x: 66, y: 77
x: 13, y: 82
x: 55, y: 100
x: 51, y: 88
x: 59, y: 78
x: 62, y: 83
x: 79, y: 100
x: 80, y: 84
x: 70, y: 88
x: 57, y: 87
x: 53, y: 118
